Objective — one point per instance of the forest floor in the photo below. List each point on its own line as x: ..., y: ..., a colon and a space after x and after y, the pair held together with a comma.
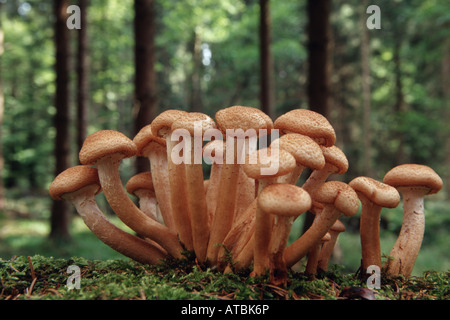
x: 44, y: 278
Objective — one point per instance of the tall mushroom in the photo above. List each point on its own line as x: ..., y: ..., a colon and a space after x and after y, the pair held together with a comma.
x: 79, y: 185
x: 285, y: 202
x: 337, y: 198
x: 162, y: 127
x: 314, y: 256
x: 256, y: 162
x: 154, y: 148
x: 106, y: 149
x: 238, y: 124
x: 196, y: 124
x: 374, y: 195
x: 413, y: 181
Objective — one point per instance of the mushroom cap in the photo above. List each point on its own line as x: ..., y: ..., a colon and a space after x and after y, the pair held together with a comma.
x: 103, y: 143
x: 309, y: 123
x: 264, y: 158
x: 144, y: 137
x: 334, y: 156
x: 162, y: 123
x: 338, y: 226
x: 142, y: 180
x: 284, y: 200
x: 245, y: 118
x: 340, y: 195
x: 189, y: 120
x: 304, y: 149
x: 414, y: 175
x: 379, y: 193
x: 74, y: 179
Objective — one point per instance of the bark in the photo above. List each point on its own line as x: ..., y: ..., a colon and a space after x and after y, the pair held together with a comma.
x: 319, y: 35
x: 82, y: 72
x: 60, y: 209
x: 145, y: 102
x: 266, y: 82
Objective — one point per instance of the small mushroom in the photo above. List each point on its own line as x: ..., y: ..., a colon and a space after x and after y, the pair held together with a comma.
x: 335, y: 163
x: 106, y: 149
x: 162, y: 127
x: 374, y: 195
x: 154, y: 148
x: 413, y: 181
x: 141, y: 186
x: 255, y: 163
x: 306, y: 151
x: 284, y: 202
x: 308, y: 123
x: 328, y: 247
x: 79, y: 185
x: 314, y: 255
x: 337, y: 198
x: 230, y: 120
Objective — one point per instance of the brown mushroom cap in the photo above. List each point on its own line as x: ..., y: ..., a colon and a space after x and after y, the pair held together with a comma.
x: 414, y: 175
x: 338, y: 226
x: 263, y: 158
x: 188, y: 121
x: 245, y: 118
x: 74, y: 179
x: 103, y: 143
x: 142, y: 180
x: 379, y: 193
x: 334, y: 156
x: 284, y: 200
x: 161, y: 124
x: 340, y: 195
x: 309, y: 123
x: 144, y: 137
x: 304, y: 149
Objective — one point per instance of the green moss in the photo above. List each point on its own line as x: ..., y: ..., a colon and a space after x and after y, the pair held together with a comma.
x: 45, y: 278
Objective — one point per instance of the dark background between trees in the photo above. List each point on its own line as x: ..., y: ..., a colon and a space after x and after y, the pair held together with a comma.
x: 384, y: 90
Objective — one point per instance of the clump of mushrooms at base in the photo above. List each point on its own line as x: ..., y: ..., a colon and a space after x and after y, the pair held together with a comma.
x: 241, y: 217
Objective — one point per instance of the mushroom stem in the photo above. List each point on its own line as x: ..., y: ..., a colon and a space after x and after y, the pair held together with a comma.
x: 370, y: 233
x: 116, y: 238
x: 406, y: 249
x: 126, y: 210
x: 159, y: 167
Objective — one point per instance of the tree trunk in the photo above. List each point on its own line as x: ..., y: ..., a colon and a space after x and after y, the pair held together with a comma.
x: 366, y: 94
x: 266, y: 81
x: 319, y: 35
x: 82, y: 71
x: 196, y: 102
x: 318, y: 87
x: 60, y: 209
x: 145, y: 103
x: 2, y: 108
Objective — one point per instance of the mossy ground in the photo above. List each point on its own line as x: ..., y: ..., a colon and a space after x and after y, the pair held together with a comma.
x: 46, y: 278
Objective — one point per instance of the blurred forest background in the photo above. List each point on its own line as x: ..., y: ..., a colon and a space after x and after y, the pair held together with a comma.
x: 386, y: 92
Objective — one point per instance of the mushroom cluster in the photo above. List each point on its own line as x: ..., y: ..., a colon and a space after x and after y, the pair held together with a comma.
x: 241, y: 217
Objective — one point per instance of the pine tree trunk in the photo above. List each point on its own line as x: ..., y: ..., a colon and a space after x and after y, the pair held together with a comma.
x: 82, y: 72
x: 266, y: 85
x: 60, y: 209
x: 145, y: 103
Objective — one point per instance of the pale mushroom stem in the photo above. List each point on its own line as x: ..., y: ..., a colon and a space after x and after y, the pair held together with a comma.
x: 406, y: 249
x: 320, y: 226
x: 370, y: 233
x: 160, y: 177
x: 178, y: 197
x: 226, y: 204
x: 116, y: 238
x: 197, y: 207
x: 126, y: 210
x: 148, y: 204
